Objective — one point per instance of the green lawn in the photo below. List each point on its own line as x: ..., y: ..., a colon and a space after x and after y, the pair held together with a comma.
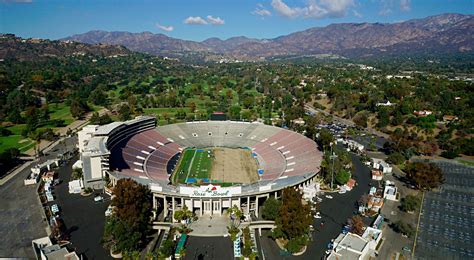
x: 194, y: 163
x: 15, y: 141
x: 60, y: 111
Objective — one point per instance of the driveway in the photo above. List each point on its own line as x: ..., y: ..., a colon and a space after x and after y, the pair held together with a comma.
x: 83, y: 217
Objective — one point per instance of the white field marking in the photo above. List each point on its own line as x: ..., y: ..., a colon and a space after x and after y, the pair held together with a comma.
x: 263, y: 140
x: 291, y: 163
x: 283, y: 177
x: 182, y: 137
x: 272, y: 144
x: 137, y: 163
x: 160, y: 143
x: 181, y: 149
x: 286, y: 152
x: 138, y: 170
x: 139, y: 157
x: 143, y: 177
x: 253, y: 137
x: 151, y: 147
x: 169, y: 139
x: 145, y: 152
x: 281, y: 147
x: 290, y: 170
x: 289, y: 158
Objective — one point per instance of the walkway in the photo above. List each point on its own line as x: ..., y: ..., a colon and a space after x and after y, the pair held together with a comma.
x: 206, y: 226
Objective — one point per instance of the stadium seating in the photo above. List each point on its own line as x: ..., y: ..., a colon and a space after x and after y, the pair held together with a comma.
x: 281, y: 153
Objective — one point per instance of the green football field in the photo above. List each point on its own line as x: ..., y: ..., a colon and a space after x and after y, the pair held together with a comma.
x: 194, y: 165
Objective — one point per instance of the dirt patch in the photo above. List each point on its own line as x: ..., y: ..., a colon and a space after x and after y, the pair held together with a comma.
x: 234, y: 165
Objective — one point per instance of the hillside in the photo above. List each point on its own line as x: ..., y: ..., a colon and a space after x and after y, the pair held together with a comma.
x: 442, y: 34
x: 16, y: 48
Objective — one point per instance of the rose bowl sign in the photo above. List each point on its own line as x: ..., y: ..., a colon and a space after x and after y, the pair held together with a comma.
x: 210, y: 191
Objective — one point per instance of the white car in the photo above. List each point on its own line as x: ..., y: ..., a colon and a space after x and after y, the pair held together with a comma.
x: 99, y: 199
x: 328, y: 196
x: 108, y: 212
x: 317, y: 216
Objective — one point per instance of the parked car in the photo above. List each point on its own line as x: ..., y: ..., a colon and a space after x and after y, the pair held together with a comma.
x: 317, y: 215
x: 99, y: 199
x: 328, y: 196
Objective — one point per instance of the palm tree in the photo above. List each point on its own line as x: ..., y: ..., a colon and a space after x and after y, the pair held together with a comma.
x: 236, y: 214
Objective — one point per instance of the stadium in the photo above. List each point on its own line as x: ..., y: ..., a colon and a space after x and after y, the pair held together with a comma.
x: 208, y: 166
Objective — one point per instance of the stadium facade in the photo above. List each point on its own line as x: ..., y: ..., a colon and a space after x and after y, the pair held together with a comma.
x: 140, y: 150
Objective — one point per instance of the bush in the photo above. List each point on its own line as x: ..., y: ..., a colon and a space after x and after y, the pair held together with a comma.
x: 343, y: 176
x: 405, y: 229
x: 167, y: 248
x: 449, y: 154
x: 270, y: 209
x: 410, y: 203
x: 296, y: 244
x: 396, y: 158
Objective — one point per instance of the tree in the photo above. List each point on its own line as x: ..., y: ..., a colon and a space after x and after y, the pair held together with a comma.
x: 356, y: 225
x: 236, y: 214
x: 325, y: 138
x: 425, y: 176
x: 183, y: 214
x: 125, y: 112
x: 294, y: 218
x: 343, y: 176
x: 78, y: 108
x: 360, y: 119
x: 167, y: 248
x: 410, y: 203
x: 77, y: 173
x: 396, y: 158
x: 128, y: 227
x: 383, y: 117
x: 405, y: 229
x: 271, y: 208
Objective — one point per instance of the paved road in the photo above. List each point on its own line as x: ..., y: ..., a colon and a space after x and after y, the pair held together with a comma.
x: 335, y: 213
x: 83, y: 217
x: 209, y: 248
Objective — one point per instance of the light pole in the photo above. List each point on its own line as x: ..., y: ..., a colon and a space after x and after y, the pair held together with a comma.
x: 332, y: 157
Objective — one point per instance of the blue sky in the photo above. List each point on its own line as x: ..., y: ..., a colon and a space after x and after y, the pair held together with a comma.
x: 199, y: 20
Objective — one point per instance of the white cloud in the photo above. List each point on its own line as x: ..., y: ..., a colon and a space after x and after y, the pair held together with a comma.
x: 357, y: 14
x: 405, y: 5
x: 195, y: 20
x: 314, y: 9
x: 17, y: 1
x: 215, y: 20
x: 165, y: 28
x: 261, y: 11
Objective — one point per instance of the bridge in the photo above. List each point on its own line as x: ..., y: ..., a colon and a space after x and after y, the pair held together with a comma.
x: 166, y: 226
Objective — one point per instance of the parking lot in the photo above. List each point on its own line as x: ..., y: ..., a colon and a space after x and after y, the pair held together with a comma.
x: 21, y: 217
x: 448, y: 216
x: 84, y: 218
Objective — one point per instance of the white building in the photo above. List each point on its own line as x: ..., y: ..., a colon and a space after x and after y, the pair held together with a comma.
x: 44, y: 249
x: 380, y: 164
x: 385, y: 104
x: 93, y: 142
x: 352, y: 246
x: 390, y: 191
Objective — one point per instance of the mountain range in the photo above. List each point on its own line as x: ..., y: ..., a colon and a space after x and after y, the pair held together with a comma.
x: 435, y: 35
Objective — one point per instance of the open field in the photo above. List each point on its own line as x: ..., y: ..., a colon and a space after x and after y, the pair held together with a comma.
x: 194, y: 164
x: 234, y: 165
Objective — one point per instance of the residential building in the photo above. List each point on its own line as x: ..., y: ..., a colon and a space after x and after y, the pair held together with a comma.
x: 375, y: 203
x: 377, y: 175
x: 390, y: 192
x: 381, y: 165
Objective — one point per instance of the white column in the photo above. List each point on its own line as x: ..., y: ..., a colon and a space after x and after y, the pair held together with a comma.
x: 220, y: 207
x: 172, y: 208
x: 165, y: 206
x: 248, y: 205
x: 201, y: 206
x: 256, y: 206
x: 212, y: 207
